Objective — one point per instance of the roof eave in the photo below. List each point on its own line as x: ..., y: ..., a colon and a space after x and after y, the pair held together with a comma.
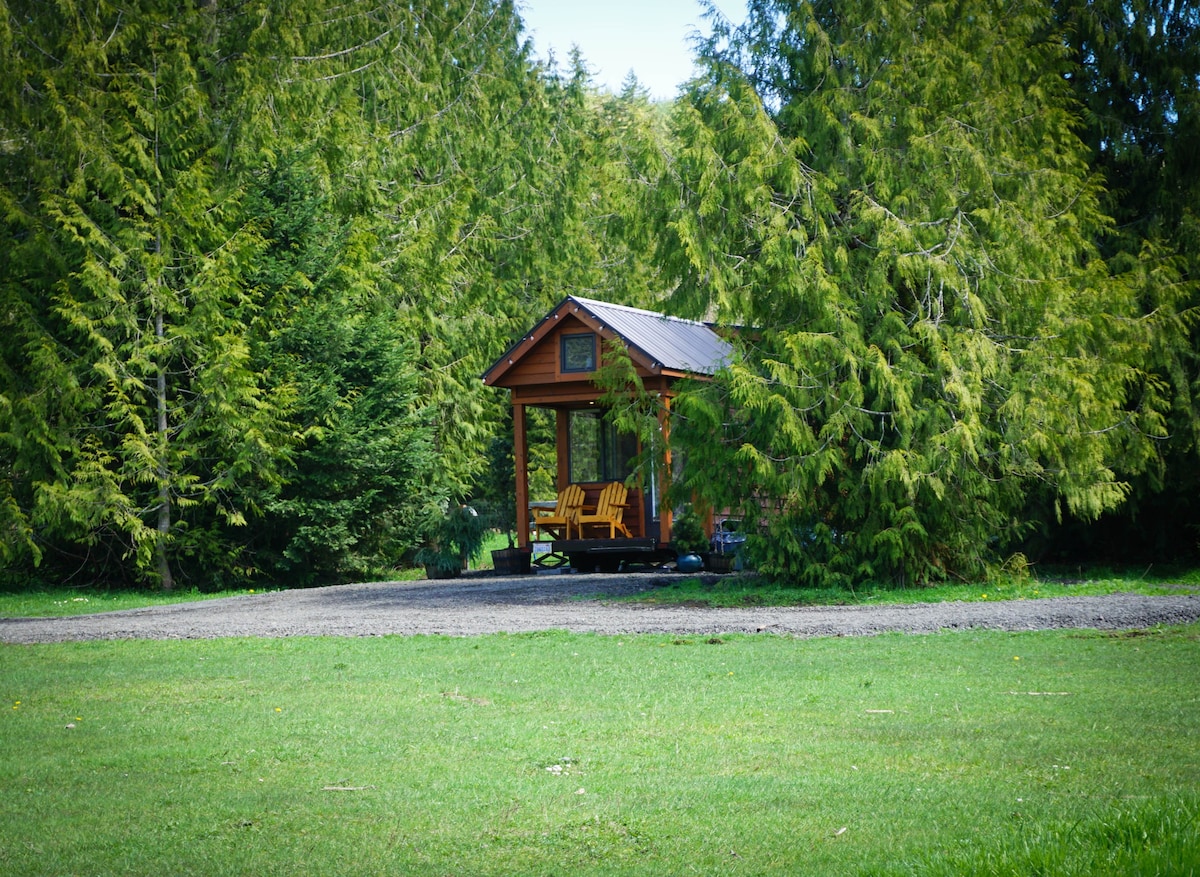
x: 501, y: 366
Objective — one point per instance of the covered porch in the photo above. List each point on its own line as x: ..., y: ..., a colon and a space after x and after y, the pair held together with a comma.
x: 595, y: 467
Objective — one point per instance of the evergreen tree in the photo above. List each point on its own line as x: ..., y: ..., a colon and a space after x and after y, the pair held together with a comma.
x: 893, y: 201
x: 128, y: 387
x: 1137, y: 75
x: 511, y: 189
x: 259, y: 255
x: 354, y: 491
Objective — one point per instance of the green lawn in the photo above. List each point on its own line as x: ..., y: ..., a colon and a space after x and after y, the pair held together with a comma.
x: 20, y: 599
x: 1053, y: 753
x: 745, y: 590
x: 48, y: 602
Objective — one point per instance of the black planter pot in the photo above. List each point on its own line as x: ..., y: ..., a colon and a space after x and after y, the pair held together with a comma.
x: 512, y: 561
x: 720, y: 563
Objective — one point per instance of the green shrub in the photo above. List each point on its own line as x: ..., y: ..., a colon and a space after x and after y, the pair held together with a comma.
x: 687, y: 533
x: 456, y: 541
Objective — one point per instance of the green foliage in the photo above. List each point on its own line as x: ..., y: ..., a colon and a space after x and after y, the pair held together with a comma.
x: 132, y: 396
x: 243, y: 241
x: 530, y: 199
x: 456, y: 539
x: 353, y: 500
x: 356, y: 484
x: 630, y: 407
x: 541, y: 434
x: 497, y: 489
x: 256, y: 257
x: 901, y: 211
x: 687, y: 533
x: 1137, y: 78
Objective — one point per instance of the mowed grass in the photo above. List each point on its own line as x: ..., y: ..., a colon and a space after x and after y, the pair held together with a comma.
x: 28, y: 599
x: 53, y: 602
x: 749, y: 590
x: 1064, y: 753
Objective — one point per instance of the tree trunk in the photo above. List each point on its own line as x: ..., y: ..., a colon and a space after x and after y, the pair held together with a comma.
x: 166, y: 580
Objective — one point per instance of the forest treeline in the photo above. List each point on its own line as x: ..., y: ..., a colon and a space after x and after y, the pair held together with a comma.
x: 257, y: 254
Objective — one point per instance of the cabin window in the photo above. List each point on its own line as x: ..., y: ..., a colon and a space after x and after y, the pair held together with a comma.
x: 598, y: 451
x: 578, y: 353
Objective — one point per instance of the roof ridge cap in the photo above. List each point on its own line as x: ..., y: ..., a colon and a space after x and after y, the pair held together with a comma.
x: 643, y: 311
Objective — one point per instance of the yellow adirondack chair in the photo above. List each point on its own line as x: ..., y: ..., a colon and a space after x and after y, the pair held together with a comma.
x: 610, y: 509
x: 559, y: 520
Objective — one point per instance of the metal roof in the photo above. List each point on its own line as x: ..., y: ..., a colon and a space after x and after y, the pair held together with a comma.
x: 672, y: 343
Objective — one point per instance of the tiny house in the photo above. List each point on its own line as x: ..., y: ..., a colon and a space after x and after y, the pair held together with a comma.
x: 553, y: 367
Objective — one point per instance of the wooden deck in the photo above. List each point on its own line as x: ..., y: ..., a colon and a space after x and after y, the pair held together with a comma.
x: 605, y: 555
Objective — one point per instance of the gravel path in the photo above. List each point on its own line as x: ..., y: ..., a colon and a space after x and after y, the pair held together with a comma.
x: 478, y: 605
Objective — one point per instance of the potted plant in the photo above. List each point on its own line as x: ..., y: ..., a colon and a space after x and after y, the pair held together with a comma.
x: 687, y: 535
x: 727, y: 542
x: 501, y: 517
x: 455, y: 541
x: 496, y: 499
x: 513, y: 560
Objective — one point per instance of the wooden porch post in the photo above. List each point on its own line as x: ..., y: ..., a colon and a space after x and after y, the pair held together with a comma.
x: 521, y: 456
x: 562, y: 442
x: 664, y: 476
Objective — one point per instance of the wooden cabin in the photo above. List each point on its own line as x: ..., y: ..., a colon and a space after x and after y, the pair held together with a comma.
x: 553, y: 367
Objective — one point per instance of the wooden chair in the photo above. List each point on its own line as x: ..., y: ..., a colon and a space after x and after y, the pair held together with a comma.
x: 610, y: 509
x: 559, y: 520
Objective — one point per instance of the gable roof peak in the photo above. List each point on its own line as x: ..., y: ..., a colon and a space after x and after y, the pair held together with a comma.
x: 663, y: 344
x: 671, y: 343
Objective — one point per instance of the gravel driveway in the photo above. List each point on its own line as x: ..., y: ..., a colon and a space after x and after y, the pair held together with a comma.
x: 477, y: 605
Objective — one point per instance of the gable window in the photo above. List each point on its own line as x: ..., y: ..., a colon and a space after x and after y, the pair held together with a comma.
x: 577, y: 353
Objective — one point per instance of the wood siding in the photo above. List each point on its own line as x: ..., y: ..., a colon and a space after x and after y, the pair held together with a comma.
x: 538, y: 366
